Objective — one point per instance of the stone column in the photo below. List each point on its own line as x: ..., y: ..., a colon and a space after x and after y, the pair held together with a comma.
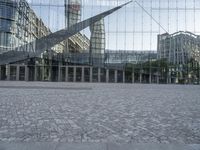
x: 124, y: 76
x: 26, y: 73
x: 91, y: 78
x: 157, y: 78
x: 116, y: 76
x: 169, y: 81
x: 8, y: 72
x: 150, y: 78
x: 99, y: 74
x: 83, y: 74
x: 199, y: 72
x: 35, y: 73
x: 150, y: 73
x: 66, y: 73
x: 17, y: 72
x: 107, y: 75
x: 0, y: 72
x: 59, y: 72
x: 140, y: 77
x: 43, y: 70
x: 50, y: 70
x: 133, y: 77
x: 74, y: 75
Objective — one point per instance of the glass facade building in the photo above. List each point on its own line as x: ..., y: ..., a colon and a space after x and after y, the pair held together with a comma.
x: 132, y: 34
x: 73, y: 16
x: 179, y: 48
x: 7, y: 28
x: 72, y: 12
x: 133, y: 28
x: 134, y: 57
x: 78, y: 42
x: 97, y: 42
x: 19, y: 25
x: 97, y: 39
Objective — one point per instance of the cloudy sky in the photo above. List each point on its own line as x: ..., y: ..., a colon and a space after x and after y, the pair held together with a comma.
x: 133, y: 27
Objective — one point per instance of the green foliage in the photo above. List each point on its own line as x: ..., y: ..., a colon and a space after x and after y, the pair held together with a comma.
x: 185, y: 73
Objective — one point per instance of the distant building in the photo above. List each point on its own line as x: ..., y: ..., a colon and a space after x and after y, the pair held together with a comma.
x: 97, y: 42
x: 72, y: 12
x: 77, y: 43
x: 97, y: 39
x: 179, y: 48
x: 19, y: 25
x: 123, y: 57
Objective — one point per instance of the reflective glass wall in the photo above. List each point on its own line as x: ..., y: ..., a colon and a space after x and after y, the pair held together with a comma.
x: 134, y: 27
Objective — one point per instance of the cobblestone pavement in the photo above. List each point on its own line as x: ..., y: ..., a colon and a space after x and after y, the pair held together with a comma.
x: 76, y: 112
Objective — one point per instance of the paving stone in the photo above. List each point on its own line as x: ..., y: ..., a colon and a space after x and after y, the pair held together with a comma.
x: 28, y: 146
x: 82, y: 146
x: 118, y: 113
x: 148, y: 147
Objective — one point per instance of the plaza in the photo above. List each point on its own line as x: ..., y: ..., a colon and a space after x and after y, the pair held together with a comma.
x: 99, y: 75
x: 98, y: 112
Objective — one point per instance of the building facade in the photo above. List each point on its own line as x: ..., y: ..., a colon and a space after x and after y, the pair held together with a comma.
x: 19, y: 25
x: 7, y: 18
x: 179, y: 48
x: 133, y: 57
x: 97, y: 40
x: 79, y: 42
x: 96, y: 44
x: 72, y: 12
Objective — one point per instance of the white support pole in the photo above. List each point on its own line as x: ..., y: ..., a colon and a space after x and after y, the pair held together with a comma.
x: 140, y: 77
x: 17, y: 72
x: 116, y: 72
x: 150, y: 78
x: 26, y: 73
x: 169, y: 78
x: 74, y: 74
x: 124, y: 76
x: 107, y: 75
x: 133, y: 77
x: 157, y: 77
x: 199, y: 72
x: 50, y: 73
x: 43, y: 70
x: 59, y: 72
x: 8, y: 72
x: 66, y: 73
x: 83, y: 74
x: 0, y: 72
x: 35, y: 73
x: 91, y: 74
x: 99, y: 74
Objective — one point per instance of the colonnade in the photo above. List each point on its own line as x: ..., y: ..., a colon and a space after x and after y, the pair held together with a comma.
x: 62, y: 73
